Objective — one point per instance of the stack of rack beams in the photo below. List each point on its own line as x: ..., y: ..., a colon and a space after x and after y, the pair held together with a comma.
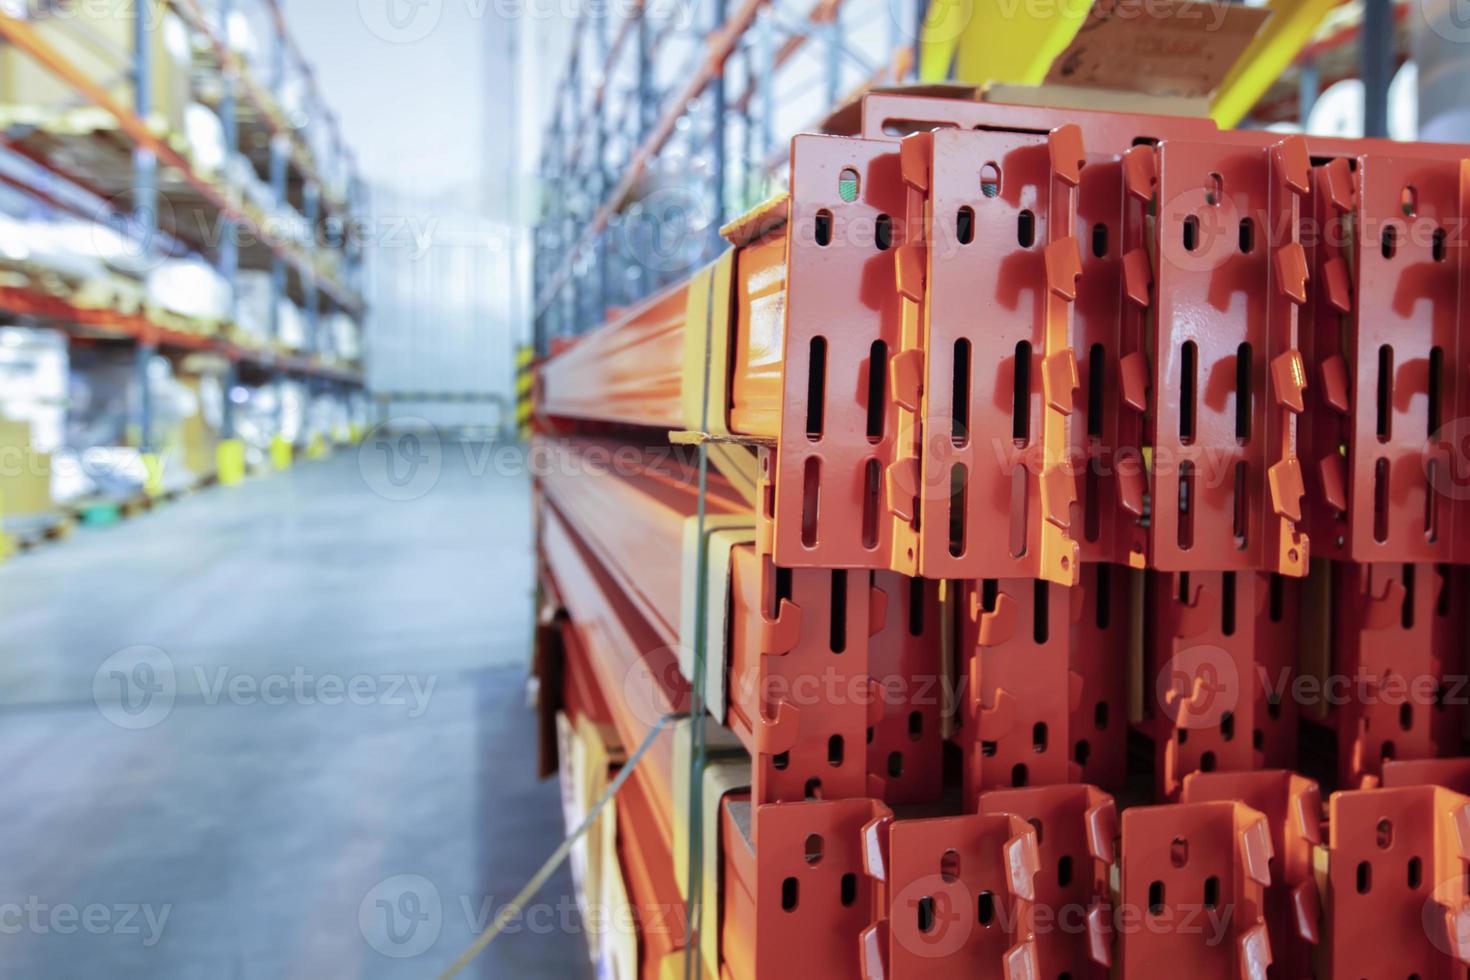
x: 1048, y: 506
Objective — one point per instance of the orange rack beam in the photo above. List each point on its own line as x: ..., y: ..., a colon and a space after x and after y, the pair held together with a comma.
x: 109, y: 323
x: 891, y: 372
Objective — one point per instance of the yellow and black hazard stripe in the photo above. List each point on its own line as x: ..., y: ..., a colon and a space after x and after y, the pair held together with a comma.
x: 525, y: 357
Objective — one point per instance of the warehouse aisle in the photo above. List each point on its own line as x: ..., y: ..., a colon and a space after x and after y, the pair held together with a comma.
x: 343, y: 784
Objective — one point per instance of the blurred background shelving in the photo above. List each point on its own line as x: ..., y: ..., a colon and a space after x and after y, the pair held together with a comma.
x: 181, y: 253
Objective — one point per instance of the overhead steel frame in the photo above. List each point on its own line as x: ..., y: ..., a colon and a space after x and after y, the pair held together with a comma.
x: 610, y: 234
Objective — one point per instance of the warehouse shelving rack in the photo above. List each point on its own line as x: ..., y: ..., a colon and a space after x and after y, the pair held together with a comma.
x: 603, y: 240
x: 599, y: 244
x: 759, y: 471
x: 135, y: 174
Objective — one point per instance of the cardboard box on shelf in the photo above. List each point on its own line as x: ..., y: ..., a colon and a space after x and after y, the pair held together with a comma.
x: 1165, y: 57
x: 97, y: 40
x: 617, y: 945
x: 590, y: 754
x: 25, y: 475
x: 199, y: 433
x: 1111, y: 100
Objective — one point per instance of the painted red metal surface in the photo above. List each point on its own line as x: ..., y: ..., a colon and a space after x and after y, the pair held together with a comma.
x: 877, y: 411
x: 982, y: 486
x: 1275, y: 722
x: 1396, y: 895
x: 1292, y: 806
x: 1386, y: 469
x: 801, y: 698
x: 630, y: 504
x: 838, y: 417
x: 1076, y: 838
x: 581, y: 697
x: 888, y: 115
x: 1120, y: 327
x: 758, y: 322
x: 1017, y: 688
x: 892, y: 115
x: 638, y: 675
x: 1398, y: 650
x: 1200, y: 674
x: 1452, y: 774
x: 906, y: 731
x: 657, y: 905
x: 1101, y: 644
x: 629, y: 370
x: 797, y: 898
x: 1112, y: 366
x: 1192, y: 897
x: 959, y: 898
x: 1229, y: 272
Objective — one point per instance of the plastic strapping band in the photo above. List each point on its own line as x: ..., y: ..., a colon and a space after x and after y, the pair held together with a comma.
x: 558, y: 857
x: 693, y: 961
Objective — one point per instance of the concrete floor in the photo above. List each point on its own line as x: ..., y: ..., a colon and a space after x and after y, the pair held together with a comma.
x: 344, y: 779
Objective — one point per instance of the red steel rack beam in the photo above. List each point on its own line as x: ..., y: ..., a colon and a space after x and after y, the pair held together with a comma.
x: 989, y: 220
x: 1396, y: 901
x: 630, y: 370
x: 1452, y: 774
x: 1390, y: 318
x: 801, y: 697
x: 1101, y: 641
x: 637, y: 673
x: 1292, y: 806
x: 1199, y: 666
x: 1398, y: 639
x: 1015, y: 659
x: 1105, y: 138
x: 847, y: 309
x: 1076, y: 829
x: 959, y: 892
x: 108, y: 323
x: 906, y: 736
x: 798, y: 895
x: 630, y: 506
x: 1192, y: 896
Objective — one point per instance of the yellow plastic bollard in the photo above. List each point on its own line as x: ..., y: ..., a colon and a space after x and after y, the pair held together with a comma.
x: 153, y: 474
x: 229, y: 458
